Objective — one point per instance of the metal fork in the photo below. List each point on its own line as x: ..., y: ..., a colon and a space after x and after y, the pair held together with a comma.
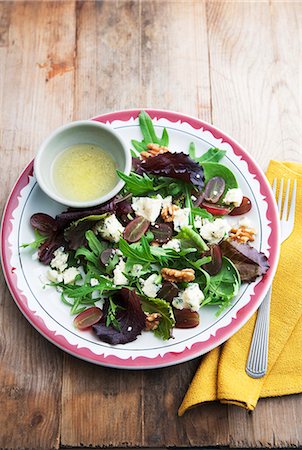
x: 256, y: 366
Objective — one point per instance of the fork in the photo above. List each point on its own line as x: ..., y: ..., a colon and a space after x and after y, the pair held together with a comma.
x: 256, y: 366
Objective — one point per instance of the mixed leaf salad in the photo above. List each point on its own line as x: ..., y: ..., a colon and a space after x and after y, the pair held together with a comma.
x: 153, y: 256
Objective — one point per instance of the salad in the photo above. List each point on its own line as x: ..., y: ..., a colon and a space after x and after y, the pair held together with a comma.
x: 152, y: 257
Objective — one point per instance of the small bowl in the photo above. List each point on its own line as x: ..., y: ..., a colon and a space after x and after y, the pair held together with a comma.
x: 80, y: 132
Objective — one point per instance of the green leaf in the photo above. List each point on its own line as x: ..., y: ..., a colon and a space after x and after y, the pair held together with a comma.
x: 147, y: 128
x: 191, y: 238
x: 135, y: 252
x: 223, y: 286
x: 212, y: 155
x: 139, y: 146
x: 164, y: 141
x: 167, y: 321
x: 188, y: 203
x: 192, y: 151
x: 212, y: 169
x: 39, y: 239
x: 137, y: 184
x: 89, y: 255
x: 95, y: 245
x: 111, y: 315
x: 203, y: 213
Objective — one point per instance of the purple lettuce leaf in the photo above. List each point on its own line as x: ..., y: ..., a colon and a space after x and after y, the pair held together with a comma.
x: 75, y: 233
x: 249, y: 262
x: 48, y: 247
x: 71, y: 215
x: 130, y: 316
x: 173, y: 165
x: 45, y: 224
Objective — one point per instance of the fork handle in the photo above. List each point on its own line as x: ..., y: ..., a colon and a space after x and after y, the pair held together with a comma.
x: 256, y: 366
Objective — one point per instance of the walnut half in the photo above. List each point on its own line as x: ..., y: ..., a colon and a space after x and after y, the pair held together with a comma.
x: 178, y: 275
x: 154, y: 150
x: 152, y: 321
x: 242, y: 234
x: 168, y: 213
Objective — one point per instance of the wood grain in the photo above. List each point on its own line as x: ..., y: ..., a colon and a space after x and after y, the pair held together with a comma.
x: 236, y: 64
x: 31, y: 368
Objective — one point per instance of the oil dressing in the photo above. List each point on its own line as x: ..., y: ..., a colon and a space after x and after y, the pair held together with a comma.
x: 84, y: 172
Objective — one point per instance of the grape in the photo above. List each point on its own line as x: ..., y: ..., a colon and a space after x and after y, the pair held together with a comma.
x: 106, y: 255
x: 162, y: 232
x: 185, y: 318
x: 214, y: 189
x: 244, y: 207
x: 214, y: 266
x: 88, y: 318
x: 136, y: 229
x: 168, y: 291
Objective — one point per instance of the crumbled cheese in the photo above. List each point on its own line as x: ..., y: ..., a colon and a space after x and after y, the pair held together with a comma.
x: 149, y: 286
x: 94, y: 282
x: 214, y: 232
x: 110, y: 228
x: 69, y: 275
x: 149, y: 208
x: 167, y: 201
x: 119, y: 278
x: 54, y: 276
x: 199, y: 222
x: 174, y: 244
x: 136, y: 270
x: 190, y: 298
x: 59, y: 261
x: 233, y: 196
x: 181, y: 218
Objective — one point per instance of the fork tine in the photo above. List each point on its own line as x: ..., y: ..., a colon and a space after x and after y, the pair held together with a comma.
x: 274, y: 187
x: 285, y: 204
x: 291, y: 216
x: 280, y: 195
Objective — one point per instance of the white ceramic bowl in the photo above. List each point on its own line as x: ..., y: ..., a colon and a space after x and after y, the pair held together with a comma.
x: 80, y: 132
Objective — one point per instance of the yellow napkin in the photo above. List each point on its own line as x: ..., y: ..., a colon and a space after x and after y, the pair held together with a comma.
x: 221, y: 375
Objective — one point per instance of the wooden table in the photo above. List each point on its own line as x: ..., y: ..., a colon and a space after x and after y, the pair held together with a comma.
x: 235, y: 64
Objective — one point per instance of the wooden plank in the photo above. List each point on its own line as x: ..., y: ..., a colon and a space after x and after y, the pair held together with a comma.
x: 31, y: 368
x: 162, y: 61
x: 255, y: 97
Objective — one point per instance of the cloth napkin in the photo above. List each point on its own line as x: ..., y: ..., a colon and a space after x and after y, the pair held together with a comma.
x: 221, y: 375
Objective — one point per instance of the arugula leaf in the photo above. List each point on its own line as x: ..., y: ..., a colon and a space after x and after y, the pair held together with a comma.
x: 137, y: 184
x: 212, y: 155
x: 189, y: 204
x: 223, y: 286
x: 89, y: 255
x: 111, y: 315
x: 164, y: 308
x: 203, y: 213
x: 94, y: 243
x: 192, y: 151
x: 39, y: 239
x: 191, y: 238
x: 147, y: 129
x: 139, y: 146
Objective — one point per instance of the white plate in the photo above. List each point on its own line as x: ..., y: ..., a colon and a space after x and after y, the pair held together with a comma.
x: 43, y: 307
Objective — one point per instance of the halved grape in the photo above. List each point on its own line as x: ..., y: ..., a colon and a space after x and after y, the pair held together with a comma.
x: 185, y: 318
x: 44, y: 223
x: 214, y: 189
x: 136, y: 229
x: 168, y: 291
x: 106, y: 255
x: 88, y: 318
x: 244, y: 207
x: 214, y: 266
x: 162, y: 232
x: 216, y: 210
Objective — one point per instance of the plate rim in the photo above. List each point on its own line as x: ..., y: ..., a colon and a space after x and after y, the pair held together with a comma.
x: 169, y: 358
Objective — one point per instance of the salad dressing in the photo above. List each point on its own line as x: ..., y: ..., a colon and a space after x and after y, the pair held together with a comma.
x: 84, y: 172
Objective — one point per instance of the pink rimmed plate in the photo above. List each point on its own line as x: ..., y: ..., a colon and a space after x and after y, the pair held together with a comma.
x: 42, y: 306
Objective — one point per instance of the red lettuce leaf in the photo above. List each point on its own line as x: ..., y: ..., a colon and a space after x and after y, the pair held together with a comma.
x: 249, y: 262
x: 130, y: 316
x: 71, y: 215
x: 173, y: 165
x: 45, y: 224
x: 75, y: 233
x: 48, y: 247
